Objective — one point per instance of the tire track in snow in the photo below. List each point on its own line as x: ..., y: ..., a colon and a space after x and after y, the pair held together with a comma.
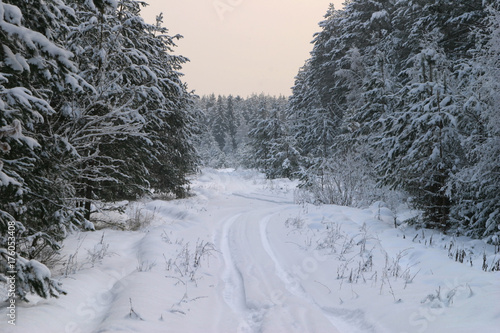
x: 337, y: 317
x: 268, y: 198
x: 250, y: 282
x: 234, y: 290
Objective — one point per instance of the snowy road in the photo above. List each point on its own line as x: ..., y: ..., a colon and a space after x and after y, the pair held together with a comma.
x: 267, y: 296
x: 257, y: 288
x: 241, y: 257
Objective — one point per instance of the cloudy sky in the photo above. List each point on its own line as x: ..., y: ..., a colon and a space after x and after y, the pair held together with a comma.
x: 242, y: 47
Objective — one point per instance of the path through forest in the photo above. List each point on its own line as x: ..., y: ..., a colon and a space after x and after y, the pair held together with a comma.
x: 242, y: 256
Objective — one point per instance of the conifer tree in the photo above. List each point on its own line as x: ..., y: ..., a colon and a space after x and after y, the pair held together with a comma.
x: 474, y: 189
x: 421, y: 140
x: 132, y: 132
x: 219, y: 123
x: 32, y: 68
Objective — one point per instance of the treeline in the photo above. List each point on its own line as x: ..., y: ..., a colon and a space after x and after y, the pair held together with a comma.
x: 92, y: 108
x: 232, y: 129
x: 397, y: 95
x: 409, y: 90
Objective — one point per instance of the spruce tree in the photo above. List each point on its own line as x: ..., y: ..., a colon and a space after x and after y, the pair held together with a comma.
x: 132, y: 132
x: 219, y: 123
x: 474, y: 189
x: 33, y: 69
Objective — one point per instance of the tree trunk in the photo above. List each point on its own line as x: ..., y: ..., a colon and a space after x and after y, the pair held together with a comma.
x: 88, y: 202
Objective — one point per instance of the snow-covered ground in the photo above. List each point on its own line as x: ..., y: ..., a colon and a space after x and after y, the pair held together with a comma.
x: 241, y: 256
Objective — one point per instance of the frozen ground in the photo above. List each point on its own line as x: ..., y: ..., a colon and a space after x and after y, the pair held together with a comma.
x: 241, y: 256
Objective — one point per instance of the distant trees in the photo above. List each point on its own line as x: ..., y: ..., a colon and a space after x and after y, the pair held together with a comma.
x: 249, y: 132
x: 92, y: 108
x: 269, y: 141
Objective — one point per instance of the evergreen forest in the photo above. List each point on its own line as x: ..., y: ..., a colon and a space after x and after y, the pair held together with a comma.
x: 399, y: 100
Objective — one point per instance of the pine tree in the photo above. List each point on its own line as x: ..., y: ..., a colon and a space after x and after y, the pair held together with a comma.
x: 420, y: 139
x: 207, y: 148
x: 132, y: 132
x: 30, y: 65
x: 330, y: 89
x: 232, y: 123
x: 236, y: 117
x: 171, y: 122
x: 474, y: 189
x: 271, y: 148
x: 219, y: 123
x: 116, y: 123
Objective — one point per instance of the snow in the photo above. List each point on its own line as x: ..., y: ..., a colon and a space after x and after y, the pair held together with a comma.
x: 6, y: 180
x: 72, y: 81
x: 241, y: 256
x: 15, y: 61
x: 11, y: 14
x: 15, y: 131
x: 378, y: 15
x: 20, y: 95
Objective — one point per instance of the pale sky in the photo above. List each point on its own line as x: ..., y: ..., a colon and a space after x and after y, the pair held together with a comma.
x: 241, y: 47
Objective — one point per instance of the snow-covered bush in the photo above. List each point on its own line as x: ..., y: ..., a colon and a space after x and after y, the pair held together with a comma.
x: 31, y: 276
